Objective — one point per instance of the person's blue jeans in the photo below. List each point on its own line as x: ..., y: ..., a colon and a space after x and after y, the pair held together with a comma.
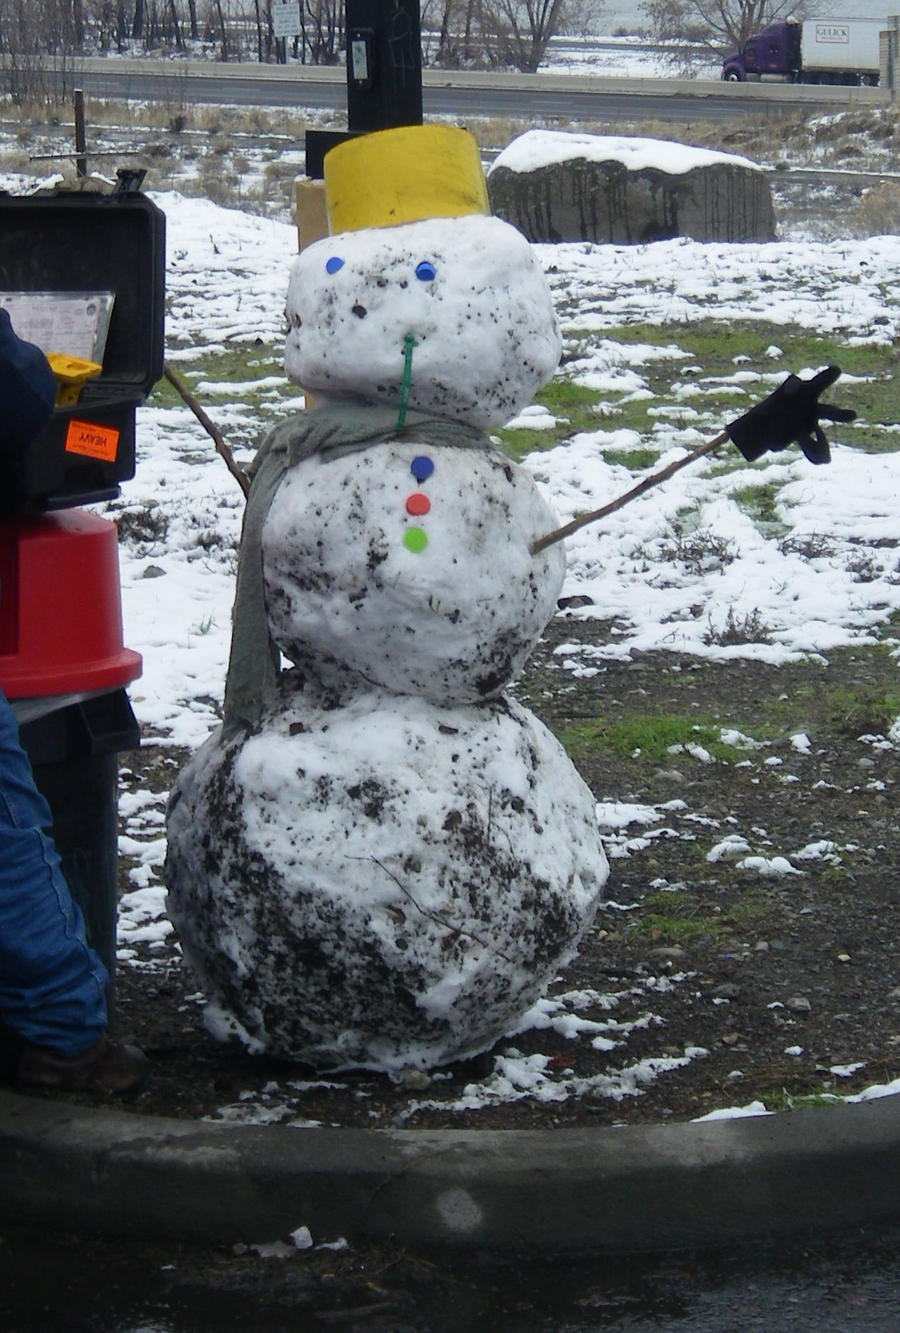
x: 52, y: 984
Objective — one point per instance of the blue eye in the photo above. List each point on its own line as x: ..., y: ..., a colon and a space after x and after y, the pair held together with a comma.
x: 334, y: 264
x: 425, y: 271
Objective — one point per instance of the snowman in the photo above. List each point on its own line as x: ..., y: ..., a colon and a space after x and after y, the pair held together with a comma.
x: 381, y: 860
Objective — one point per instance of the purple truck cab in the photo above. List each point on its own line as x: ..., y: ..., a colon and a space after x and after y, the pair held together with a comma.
x: 775, y: 50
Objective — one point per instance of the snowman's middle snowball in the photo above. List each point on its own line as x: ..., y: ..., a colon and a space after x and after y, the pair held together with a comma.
x: 409, y: 565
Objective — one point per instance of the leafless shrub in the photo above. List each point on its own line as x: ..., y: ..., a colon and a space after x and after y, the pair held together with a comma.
x: 878, y: 211
x: 809, y: 546
x: 699, y: 551
x: 142, y: 525
x: 863, y: 568
x: 750, y: 628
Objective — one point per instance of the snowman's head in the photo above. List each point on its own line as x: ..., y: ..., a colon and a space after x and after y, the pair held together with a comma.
x: 468, y: 292
x: 448, y: 308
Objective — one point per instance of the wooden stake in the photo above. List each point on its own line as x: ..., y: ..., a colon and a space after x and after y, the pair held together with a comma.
x: 80, y: 138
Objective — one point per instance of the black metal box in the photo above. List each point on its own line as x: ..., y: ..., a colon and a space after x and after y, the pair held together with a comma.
x: 70, y: 242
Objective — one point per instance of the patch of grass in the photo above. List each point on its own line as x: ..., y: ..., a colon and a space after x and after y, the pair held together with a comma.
x: 623, y: 412
x: 672, y: 917
x: 636, y: 460
x: 681, y: 917
x: 575, y: 408
x: 890, y: 627
x: 238, y: 363
x: 651, y: 737
x: 779, y: 1099
x: 496, y: 131
x: 720, y: 349
x: 878, y: 211
x: 816, y: 706
x: 564, y: 395
x: 520, y: 442
x: 664, y: 929
x: 867, y: 711
x: 761, y: 504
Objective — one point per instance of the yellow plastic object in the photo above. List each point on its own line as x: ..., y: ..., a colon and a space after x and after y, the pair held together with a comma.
x: 71, y: 374
x: 312, y: 215
x: 404, y: 175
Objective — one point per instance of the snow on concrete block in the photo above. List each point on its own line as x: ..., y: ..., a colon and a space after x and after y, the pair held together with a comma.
x: 556, y: 186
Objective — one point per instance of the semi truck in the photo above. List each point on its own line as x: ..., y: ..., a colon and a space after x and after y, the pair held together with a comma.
x: 814, y: 51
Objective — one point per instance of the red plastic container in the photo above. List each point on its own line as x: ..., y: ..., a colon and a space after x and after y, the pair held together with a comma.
x: 60, y: 607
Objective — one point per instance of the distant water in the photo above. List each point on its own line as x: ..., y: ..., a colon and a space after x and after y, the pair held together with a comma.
x: 629, y: 14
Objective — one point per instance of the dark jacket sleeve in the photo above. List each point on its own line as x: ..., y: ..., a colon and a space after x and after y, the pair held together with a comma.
x: 27, y: 389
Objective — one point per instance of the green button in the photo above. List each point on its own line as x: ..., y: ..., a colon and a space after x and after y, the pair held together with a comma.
x: 414, y: 539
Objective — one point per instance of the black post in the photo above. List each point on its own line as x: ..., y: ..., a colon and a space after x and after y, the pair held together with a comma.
x: 384, y: 64
x: 384, y: 74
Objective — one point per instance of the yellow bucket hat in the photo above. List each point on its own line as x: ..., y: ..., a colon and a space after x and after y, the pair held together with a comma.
x: 403, y: 175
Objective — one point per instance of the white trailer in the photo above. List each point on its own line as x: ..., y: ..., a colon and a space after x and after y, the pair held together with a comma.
x: 836, y: 46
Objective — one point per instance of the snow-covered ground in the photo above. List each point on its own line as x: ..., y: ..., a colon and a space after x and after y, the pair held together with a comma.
x: 628, y: 58
x: 180, y: 517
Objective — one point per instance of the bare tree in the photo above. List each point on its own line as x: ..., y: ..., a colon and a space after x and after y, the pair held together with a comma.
x: 223, y: 31
x: 324, y: 31
x: 77, y: 18
x: 518, y: 32
x: 507, y: 32
x: 451, y: 52
x: 174, y: 26
x: 717, y: 24
x: 31, y: 30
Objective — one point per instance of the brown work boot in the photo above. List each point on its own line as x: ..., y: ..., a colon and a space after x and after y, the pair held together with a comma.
x: 103, y: 1067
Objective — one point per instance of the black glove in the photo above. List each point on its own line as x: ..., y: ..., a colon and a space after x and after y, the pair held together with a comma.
x: 790, y: 415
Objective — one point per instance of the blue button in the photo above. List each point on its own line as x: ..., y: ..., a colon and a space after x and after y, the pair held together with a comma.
x: 421, y: 467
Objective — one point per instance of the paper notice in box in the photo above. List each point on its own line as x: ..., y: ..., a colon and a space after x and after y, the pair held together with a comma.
x: 74, y: 323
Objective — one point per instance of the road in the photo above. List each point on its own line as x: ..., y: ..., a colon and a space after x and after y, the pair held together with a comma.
x: 543, y: 98
x: 848, y: 1283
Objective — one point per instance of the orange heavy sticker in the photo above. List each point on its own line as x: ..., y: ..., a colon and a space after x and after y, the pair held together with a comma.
x: 92, y: 441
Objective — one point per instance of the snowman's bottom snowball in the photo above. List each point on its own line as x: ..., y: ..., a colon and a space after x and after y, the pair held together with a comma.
x: 385, y: 883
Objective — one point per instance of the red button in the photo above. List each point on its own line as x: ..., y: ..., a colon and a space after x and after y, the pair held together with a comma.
x: 418, y: 504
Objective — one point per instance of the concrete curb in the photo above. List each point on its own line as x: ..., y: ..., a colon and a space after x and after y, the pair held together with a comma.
x: 634, y: 1188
